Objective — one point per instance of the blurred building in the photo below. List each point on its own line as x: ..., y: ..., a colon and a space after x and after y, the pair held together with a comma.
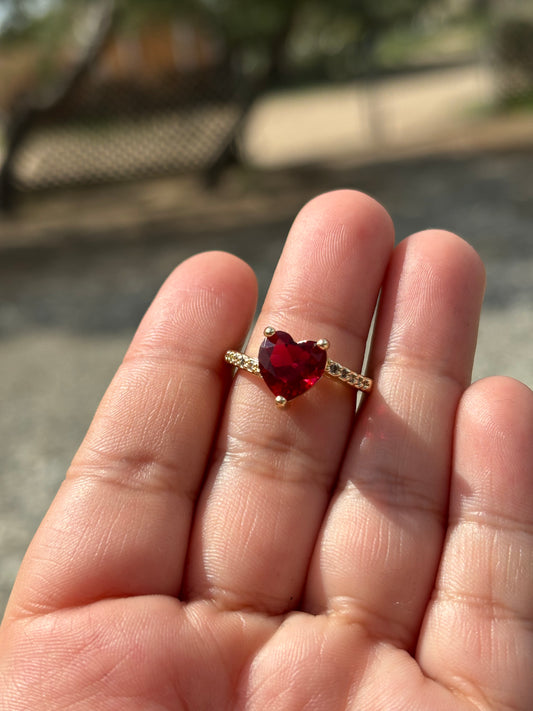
x: 145, y: 57
x: 156, y: 51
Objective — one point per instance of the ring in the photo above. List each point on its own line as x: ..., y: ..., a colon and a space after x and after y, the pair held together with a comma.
x: 290, y: 368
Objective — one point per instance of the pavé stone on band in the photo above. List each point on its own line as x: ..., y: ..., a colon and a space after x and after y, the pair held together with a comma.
x: 290, y: 368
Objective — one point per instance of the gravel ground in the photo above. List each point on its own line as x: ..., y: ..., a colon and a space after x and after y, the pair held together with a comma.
x: 78, y: 270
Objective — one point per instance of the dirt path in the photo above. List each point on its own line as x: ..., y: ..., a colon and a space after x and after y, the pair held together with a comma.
x: 364, y: 119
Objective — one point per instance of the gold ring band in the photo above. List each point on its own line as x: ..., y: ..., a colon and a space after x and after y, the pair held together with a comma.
x: 290, y: 368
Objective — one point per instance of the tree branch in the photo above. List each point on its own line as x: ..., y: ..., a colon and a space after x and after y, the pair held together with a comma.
x: 33, y: 109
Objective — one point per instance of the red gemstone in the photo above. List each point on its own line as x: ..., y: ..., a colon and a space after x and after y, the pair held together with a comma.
x: 289, y: 368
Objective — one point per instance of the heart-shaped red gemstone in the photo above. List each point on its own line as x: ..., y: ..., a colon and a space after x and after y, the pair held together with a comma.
x: 289, y: 368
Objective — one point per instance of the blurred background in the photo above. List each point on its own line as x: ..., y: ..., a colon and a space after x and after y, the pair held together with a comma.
x: 135, y: 133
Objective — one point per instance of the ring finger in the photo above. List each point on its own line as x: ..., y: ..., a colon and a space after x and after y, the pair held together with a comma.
x: 272, y: 470
x: 377, y: 554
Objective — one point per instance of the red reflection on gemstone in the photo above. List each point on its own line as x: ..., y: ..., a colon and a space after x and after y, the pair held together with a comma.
x: 289, y: 368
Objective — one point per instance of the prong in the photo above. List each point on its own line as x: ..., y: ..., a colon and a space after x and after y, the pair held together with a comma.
x: 323, y: 343
x: 281, y: 401
x: 269, y: 331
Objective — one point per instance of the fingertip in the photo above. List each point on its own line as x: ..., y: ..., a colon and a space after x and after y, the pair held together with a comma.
x: 217, y: 271
x: 499, y: 404
x: 494, y: 447
x: 348, y: 212
x: 211, y: 290
x: 447, y: 247
x: 504, y: 385
x: 431, y: 303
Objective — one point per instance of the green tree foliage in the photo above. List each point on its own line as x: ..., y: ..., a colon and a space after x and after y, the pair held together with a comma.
x: 239, y: 21
x: 249, y: 21
x: 322, y: 39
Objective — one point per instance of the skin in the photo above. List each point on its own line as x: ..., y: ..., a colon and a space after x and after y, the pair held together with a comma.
x: 208, y: 550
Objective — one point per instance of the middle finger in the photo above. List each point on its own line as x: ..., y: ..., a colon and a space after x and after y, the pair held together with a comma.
x: 273, y: 470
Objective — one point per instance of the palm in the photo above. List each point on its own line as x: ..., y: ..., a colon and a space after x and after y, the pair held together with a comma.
x: 295, y: 559
x: 160, y: 654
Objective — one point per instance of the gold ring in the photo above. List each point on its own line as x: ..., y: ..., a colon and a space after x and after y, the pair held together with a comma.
x: 290, y: 368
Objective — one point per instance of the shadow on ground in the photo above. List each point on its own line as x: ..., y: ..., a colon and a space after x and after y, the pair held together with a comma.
x: 84, y: 278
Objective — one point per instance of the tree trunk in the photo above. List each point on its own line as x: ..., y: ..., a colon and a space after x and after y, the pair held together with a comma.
x: 33, y: 109
x: 229, y: 152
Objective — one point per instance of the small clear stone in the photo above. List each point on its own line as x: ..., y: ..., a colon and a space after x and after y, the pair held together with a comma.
x: 334, y: 368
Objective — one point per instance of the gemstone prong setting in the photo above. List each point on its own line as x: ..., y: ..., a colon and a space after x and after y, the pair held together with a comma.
x: 290, y: 368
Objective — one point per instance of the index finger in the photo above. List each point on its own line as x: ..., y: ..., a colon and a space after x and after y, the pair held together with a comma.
x: 120, y: 522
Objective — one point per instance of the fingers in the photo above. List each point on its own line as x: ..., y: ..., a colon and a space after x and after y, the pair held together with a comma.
x: 377, y: 554
x: 273, y: 469
x: 120, y: 523
x: 478, y: 634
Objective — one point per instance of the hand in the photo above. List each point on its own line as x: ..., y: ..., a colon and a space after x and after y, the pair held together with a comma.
x: 208, y: 550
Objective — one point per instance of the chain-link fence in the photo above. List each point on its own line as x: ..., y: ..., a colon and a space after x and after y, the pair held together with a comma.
x: 119, y: 130
x: 123, y: 105
x: 512, y: 50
